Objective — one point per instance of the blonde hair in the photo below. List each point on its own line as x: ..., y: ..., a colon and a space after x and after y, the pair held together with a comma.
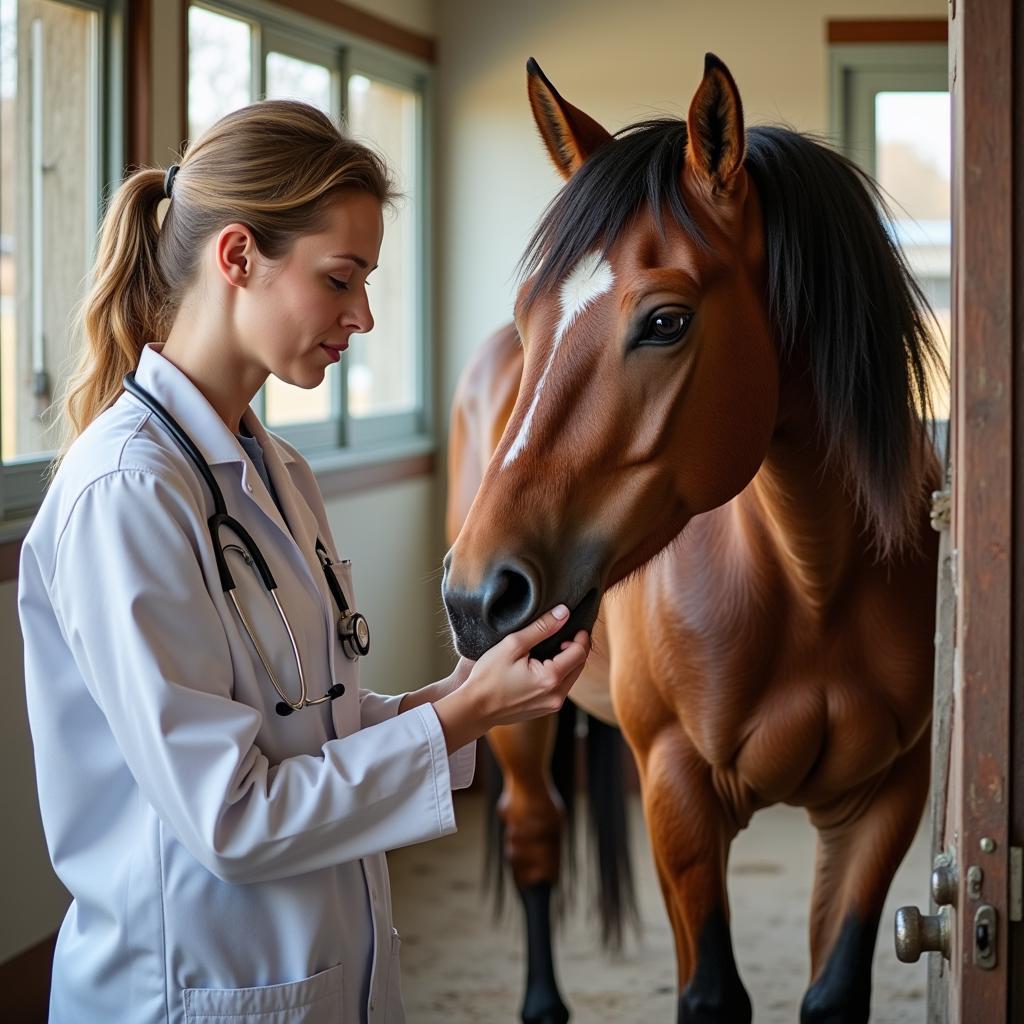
x: 274, y: 166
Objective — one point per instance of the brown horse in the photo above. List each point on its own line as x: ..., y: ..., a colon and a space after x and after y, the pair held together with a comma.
x: 725, y: 366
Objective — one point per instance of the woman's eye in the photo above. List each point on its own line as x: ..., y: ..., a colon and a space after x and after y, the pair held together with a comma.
x: 341, y: 286
x: 665, y: 327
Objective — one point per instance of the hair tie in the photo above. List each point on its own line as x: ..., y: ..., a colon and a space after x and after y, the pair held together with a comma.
x: 169, y: 179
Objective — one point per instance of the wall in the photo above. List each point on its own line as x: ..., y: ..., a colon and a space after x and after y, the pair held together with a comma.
x: 619, y: 62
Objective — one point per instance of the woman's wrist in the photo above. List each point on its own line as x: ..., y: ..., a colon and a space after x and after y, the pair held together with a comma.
x: 462, y: 719
x: 429, y: 694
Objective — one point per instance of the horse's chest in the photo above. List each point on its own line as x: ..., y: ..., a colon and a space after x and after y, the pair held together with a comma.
x: 781, y: 709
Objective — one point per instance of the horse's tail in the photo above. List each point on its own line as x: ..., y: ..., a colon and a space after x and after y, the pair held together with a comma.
x: 608, y: 823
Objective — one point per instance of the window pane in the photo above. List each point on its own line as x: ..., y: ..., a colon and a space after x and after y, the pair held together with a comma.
x: 49, y: 139
x: 291, y: 78
x: 912, y: 145
x: 219, y: 67
x: 383, y: 367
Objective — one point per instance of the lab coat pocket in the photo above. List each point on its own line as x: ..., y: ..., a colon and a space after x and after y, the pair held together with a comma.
x: 314, y: 1000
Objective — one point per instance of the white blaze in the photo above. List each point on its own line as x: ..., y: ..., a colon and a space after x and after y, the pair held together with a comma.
x: 590, y: 279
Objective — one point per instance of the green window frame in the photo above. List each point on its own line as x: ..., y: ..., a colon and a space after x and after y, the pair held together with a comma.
x: 343, y: 440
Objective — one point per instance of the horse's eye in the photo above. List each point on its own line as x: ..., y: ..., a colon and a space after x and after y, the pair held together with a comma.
x: 665, y: 327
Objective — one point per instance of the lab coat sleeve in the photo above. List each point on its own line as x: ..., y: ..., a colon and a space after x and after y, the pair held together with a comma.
x: 146, y: 633
x: 377, y: 707
x: 462, y: 766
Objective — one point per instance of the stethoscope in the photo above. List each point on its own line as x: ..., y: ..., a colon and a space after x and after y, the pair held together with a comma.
x: 353, y: 629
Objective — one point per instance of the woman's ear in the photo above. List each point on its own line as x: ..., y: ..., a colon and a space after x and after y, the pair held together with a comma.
x: 234, y: 249
x: 569, y: 134
x: 715, y: 146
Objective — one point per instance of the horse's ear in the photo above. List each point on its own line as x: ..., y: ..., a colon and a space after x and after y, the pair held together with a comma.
x: 715, y: 145
x: 569, y: 134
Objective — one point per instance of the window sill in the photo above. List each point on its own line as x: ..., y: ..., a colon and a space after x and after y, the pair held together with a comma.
x: 344, y: 473
x: 339, y: 474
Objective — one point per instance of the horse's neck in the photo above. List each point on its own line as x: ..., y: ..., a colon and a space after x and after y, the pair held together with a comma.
x: 807, y: 511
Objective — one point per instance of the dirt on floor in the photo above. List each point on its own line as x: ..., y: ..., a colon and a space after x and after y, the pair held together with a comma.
x: 459, y: 965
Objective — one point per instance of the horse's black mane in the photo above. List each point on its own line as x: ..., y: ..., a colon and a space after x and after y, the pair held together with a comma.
x: 838, y: 288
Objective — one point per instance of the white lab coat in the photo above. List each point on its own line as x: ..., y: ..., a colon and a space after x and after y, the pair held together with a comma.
x: 225, y: 862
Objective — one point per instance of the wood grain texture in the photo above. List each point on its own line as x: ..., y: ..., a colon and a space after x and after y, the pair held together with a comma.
x: 887, y: 30
x: 981, y: 36
x: 369, y: 26
x: 140, y: 73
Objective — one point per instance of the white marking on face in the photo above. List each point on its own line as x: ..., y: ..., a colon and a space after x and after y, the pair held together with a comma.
x: 590, y: 279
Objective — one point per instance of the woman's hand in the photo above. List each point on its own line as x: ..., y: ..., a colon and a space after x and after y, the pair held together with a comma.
x: 506, y: 685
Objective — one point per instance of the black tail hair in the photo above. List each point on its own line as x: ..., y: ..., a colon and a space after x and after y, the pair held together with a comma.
x: 608, y: 824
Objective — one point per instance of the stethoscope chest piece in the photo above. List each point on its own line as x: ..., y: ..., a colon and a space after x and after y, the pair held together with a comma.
x: 354, y: 634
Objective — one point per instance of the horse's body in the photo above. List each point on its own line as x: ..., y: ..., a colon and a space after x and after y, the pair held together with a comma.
x: 780, y: 648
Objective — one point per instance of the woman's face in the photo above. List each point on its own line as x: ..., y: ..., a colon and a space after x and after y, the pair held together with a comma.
x: 301, y: 310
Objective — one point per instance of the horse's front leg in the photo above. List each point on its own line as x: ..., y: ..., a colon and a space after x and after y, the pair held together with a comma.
x: 533, y: 816
x: 862, y: 839
x: 690, y: 832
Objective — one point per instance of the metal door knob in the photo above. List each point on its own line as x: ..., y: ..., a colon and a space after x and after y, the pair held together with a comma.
x: 918, y: 933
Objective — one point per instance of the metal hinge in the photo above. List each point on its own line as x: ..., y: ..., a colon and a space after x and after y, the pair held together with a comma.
x: 1016, y: 883
x: 942, y: 502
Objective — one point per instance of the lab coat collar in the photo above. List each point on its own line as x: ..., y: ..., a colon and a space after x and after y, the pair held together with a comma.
x: 217, y: 444
x: 189, y: 406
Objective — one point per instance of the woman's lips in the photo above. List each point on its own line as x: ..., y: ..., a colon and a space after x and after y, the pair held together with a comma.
x: 334, y: 351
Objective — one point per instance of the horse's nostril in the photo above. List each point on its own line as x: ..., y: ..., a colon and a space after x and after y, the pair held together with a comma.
x: 510, y: 599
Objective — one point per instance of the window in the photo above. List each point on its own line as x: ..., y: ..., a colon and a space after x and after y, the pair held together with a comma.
x: 377, y: 396
x: 60, y: 147
x: 890, y: 110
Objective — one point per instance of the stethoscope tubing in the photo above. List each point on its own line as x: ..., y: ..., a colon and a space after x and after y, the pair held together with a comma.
x: 352, y: 626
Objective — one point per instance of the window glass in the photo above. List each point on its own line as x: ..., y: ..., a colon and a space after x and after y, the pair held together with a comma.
x: 383, y: 368
x: 49, y: 163
x: 912, y: 164
x: 219, y: 67
x: 291, y: 78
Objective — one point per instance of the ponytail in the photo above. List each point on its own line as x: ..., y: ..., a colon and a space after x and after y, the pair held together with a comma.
x: 126, y: 304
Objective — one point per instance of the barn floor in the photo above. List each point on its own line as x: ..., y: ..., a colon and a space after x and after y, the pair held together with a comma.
x: 458, y: 967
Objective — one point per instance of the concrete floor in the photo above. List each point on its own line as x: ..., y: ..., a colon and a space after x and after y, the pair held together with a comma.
x: 458, y: 966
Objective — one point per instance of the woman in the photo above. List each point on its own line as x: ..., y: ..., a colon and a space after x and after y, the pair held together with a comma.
x: 216, y: 790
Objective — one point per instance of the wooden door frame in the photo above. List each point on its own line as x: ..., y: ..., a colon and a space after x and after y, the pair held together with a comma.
x: 984, y: 809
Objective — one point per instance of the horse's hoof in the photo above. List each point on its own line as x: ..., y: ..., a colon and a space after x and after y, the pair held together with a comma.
x: 552, y: 1013
x: 559, y: 1016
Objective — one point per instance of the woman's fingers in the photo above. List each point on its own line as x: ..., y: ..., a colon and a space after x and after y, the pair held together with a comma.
x: 547, y: 625
x: 573, y: 654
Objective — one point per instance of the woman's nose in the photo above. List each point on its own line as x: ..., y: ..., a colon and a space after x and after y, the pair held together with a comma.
x: 358, y: 317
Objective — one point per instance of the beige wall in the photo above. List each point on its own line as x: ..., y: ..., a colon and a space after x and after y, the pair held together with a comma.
x: 621, y: 62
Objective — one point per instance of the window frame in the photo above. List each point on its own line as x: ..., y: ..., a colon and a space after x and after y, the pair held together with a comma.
x: 855, y: 69
x: 857, y: 73
x: 345, y: 441
x: 23, y: 481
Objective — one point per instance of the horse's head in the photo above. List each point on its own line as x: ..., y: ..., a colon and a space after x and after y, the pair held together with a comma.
x: 650, y: 386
